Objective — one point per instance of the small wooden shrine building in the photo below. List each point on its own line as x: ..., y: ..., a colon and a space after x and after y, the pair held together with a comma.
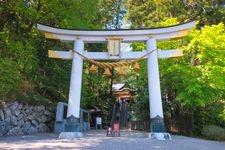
x: 123, y: 91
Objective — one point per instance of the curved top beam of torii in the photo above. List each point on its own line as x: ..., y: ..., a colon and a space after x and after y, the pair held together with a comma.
x: 126, y: 35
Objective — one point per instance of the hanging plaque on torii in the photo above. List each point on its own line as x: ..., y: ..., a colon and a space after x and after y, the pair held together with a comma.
x: 114, y: 46
x: 114, y: 38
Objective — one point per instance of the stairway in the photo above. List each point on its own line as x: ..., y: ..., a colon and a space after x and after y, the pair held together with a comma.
x: 120, y: 115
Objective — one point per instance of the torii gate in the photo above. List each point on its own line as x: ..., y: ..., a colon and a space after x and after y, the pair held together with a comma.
x: 150, y: 36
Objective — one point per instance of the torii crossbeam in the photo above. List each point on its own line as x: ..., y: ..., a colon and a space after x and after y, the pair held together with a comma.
x: 150, y: 36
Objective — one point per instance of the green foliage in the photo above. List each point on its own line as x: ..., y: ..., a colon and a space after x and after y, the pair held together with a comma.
x: 208, y: 47
x: 69, y: 13
x: 168, y: 22
x: 211, y: 113
x: 111, y: 13
x: 9, y: 78
x: 24, y: 48
x: 222, y: 114
x: 149, y: 13
x: 192, y: 91
x: 192, y: 82
x: 196, y: 79
x: 213, y: 132
x: 204, y: 80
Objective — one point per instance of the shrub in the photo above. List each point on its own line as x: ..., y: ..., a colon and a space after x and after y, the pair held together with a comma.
x: 9, y: 76
x: 213, y: 132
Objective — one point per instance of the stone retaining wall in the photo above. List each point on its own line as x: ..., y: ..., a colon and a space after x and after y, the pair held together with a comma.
x: 19, y: 118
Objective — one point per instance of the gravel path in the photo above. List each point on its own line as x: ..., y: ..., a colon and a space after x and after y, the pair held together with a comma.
x: 96, y: 140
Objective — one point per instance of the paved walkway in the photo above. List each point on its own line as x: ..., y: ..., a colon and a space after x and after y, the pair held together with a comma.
x: 96, y: 140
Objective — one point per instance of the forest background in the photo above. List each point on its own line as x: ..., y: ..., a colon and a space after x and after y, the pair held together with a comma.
x: 192, y: 86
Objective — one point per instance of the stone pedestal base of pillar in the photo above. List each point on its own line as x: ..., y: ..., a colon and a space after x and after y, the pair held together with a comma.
x: 73, y: 129
x: 157, y: 125
x: 70, y: 135
x: 73, y: 125
x: 158, y: 129
x: 160, y: 136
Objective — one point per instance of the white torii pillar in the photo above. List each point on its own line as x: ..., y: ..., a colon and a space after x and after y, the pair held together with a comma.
x: 157, y: 126
x: 76, y: 81
x: 73, y: 126
x: 155, y: 100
